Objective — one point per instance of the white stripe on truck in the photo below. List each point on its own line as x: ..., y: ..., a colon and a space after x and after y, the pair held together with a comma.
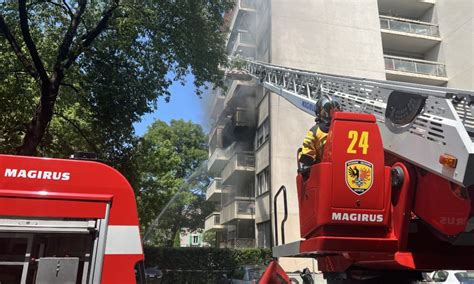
x: 123, y: 240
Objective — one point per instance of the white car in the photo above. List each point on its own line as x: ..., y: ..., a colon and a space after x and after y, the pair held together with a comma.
x: 453, y: 276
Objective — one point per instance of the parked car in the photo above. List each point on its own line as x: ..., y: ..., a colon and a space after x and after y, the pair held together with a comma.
x: 247, y: 274
x: 453, y: 276
x: 153, y: 275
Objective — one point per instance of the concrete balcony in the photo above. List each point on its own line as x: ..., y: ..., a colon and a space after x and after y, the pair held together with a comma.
x: 413, y: 9
x: 217, y: 161
x: 212, y: 222
x: 237, y: 92
x: 408, y: 35
x: 242, y: 208
x: 214, y: 190
x: 217, y: 104
x: 411, y: 70
x: 220, y: 157
x: 242, y: 43
x: 240, y: 127
x: 240, y: 168
x: 238, y: 16
x: 215, y: 137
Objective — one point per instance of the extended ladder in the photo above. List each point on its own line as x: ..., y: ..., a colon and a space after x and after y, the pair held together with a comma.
x: 418, y: 123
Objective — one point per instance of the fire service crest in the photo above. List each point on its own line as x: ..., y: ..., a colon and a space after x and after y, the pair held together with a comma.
x: 359, y: 176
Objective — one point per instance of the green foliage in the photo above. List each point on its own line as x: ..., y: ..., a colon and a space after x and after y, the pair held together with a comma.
x: 252, y: 256
x: 201, y: 265
x: 165, y: 159
x: 210, y: 238
x: 110, y: 82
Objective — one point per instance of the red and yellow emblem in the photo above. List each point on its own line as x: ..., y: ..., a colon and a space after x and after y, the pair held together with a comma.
x: 359, y: 176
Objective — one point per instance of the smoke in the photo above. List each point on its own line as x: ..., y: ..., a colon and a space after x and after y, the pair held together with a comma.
x: 206, y: 104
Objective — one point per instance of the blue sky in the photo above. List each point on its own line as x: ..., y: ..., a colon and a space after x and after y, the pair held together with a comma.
x: 184, y: 104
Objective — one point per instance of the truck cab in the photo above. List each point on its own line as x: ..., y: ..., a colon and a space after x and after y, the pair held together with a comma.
x: 67, y: 221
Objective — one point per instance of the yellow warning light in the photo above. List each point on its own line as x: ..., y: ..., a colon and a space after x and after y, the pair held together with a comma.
x: 448, y: 160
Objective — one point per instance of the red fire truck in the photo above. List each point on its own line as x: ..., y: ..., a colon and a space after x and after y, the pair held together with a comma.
x: 67, y: 221
x: 393, y: 195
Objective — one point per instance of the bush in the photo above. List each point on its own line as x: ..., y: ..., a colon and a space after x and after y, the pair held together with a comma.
x: 201, y: 265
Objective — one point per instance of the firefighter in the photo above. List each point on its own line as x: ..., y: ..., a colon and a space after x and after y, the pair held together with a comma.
x: 313, y: 144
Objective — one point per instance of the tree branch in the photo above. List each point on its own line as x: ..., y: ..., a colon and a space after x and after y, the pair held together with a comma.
x: 89, y: 37
x: 68, y: 8
x: 65, y: 46
x: 70, y: 86
x: 25, y: 30
x: 16, y: 48
x: 79, y: 130
x: 65, y: 7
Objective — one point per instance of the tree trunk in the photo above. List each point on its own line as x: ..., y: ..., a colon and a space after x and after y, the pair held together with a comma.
x: 175, y: 231
x: 36, y: 128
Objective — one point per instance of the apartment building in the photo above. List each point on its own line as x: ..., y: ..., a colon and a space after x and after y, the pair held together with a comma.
x: 255, y: 133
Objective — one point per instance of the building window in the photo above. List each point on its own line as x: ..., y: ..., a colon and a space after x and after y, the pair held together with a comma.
x: 263, y: 133
x: 264, y: 234
x: 194, y: 240
x: 263, y: 181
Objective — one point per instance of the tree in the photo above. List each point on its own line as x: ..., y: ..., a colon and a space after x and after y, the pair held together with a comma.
x: 166, y: 158
x: 210, y: 238
x: 99, y: 66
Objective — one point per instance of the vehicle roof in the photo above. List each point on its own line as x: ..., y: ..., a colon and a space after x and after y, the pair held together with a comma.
x: 76, y: 180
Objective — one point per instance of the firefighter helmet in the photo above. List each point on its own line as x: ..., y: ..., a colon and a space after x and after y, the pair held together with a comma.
x: 325, y: 107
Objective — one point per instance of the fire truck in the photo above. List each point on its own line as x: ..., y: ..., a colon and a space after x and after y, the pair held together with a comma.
x: 67, y: 221
x: 392, y: 196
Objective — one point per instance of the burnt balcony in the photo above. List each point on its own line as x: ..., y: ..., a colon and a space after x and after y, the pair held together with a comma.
x: 215, y: 138
x: 415, y: 70
x: 217, y: 104
x: 212, y: 222
x: 240, y: 126
x: 240, y: 94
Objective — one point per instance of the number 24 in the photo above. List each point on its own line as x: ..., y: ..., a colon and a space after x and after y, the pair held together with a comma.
x: 363, y: 142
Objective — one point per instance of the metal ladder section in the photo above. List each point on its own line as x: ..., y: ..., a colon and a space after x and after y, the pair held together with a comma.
x: 418, y: 123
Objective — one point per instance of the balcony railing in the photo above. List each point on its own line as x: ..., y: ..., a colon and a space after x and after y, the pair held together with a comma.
x: 247, y: 4
x: 243, y: 118
x: 214, y: 189
x: 215, y: 138
x: 217, y: 103
x: 241, y: 7
x: 407, y: 26
x: 217, y: 161
x: 243, y: 43
x: 241, y: 208
x: 243, y: 162
x: 246, y: 207
x: 218, y: 154
x: 236, y: 91
x: 231, y: 193
x: 410, y: 65
x: 241, y: 243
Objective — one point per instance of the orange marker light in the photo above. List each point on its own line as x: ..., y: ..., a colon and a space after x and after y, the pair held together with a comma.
x: 448, y: 160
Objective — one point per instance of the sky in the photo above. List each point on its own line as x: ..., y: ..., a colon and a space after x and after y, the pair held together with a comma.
x: 184, y: 104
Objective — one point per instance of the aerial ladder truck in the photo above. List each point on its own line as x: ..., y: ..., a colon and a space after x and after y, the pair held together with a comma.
x: 392, y: 196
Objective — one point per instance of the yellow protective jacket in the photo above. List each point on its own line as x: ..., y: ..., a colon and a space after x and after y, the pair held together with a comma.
x: 313, y: 145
